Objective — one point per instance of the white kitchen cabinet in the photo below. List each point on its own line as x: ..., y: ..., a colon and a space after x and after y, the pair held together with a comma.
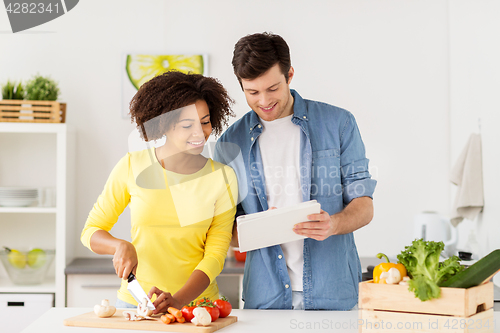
x: 87, y: 290
x: 89, y: 280
x: 20, y: 310
x: 39, y: 155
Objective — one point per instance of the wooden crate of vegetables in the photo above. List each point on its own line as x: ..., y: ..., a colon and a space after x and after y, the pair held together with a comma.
x: 434, y: 297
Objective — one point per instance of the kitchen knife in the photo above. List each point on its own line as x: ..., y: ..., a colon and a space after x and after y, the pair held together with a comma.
x: 137, y: 292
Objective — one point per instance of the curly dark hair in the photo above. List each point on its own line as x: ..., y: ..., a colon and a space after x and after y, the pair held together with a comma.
x: 255, y: 54
x: 172, y: 91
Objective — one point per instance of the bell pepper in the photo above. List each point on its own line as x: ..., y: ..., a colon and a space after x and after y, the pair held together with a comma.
x: 385, y: 267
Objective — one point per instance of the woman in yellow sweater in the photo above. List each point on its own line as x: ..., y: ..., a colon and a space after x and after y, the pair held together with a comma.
x: 182, y: 204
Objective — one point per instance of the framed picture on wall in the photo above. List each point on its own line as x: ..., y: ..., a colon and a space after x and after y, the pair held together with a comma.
x: 140, y: 68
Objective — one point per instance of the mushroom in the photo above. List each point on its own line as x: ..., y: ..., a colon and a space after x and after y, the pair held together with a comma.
x: 130, y: 315
x: 142, y: 308
x: 393, y: 276
x: 405, y: 280
x: 104, y: 309
x: 201, y: 317
x: 133, y: 316
x: 142, y: 313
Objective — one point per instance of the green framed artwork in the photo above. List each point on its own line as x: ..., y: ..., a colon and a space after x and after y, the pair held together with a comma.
x: 140, y: 68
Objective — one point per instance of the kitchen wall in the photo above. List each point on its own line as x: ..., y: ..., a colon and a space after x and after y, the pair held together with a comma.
x: 416, y: 75
x: 474, y: 107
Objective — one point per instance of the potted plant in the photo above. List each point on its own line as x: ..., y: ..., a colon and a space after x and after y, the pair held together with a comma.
x: 11, y: 92
x: 41, y: 88
x: 40, y: 105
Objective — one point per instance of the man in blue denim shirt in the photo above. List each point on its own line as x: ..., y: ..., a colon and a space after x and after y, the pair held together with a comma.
x: 291, y: 150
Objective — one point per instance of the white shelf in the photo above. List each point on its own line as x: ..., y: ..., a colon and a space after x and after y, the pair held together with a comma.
x: 31, y: 127
x: 28, y: 210
x: 47, y: 286
x: 62, y: 213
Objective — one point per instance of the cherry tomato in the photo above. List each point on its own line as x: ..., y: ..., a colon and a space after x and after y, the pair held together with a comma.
x: 224, y: 306
x: 203, y: 300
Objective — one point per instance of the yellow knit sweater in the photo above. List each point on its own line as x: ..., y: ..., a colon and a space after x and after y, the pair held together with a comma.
x: 179, y: 222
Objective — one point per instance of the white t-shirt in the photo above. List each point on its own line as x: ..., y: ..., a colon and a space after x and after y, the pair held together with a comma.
x: 280, y: 150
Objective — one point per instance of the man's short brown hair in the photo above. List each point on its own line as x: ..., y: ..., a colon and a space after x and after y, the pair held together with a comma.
x: 255, y: 54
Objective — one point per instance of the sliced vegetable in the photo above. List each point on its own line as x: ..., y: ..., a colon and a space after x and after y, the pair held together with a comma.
x: 475, y: 274
x: 142, y: 308
x: 385, y: 267
x: 132, y: 316
x: 142, y: 312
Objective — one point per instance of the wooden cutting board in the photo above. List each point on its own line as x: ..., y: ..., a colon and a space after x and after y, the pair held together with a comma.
x: 118, y: 321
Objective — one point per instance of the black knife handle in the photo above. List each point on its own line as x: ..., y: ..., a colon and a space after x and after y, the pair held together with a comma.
x: 131, y: 277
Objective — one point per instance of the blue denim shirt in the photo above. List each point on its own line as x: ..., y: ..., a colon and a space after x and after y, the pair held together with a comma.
x: 334, y: 170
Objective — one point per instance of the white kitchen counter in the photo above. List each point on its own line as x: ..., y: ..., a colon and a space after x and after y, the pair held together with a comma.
x: 249, y: 321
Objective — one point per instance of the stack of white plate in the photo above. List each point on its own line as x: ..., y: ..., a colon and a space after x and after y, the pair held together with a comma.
x: 17, y: 196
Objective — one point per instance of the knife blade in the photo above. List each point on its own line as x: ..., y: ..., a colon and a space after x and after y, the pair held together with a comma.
x: 137, y: 292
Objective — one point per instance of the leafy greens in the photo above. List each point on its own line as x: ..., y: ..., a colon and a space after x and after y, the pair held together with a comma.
x: 421, y: 260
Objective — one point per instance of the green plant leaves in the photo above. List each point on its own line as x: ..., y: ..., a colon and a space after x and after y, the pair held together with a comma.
x: 10, y: 91
x: 42, y: 89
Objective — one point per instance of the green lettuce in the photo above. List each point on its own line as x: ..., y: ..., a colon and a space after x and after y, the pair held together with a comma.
x: 421, y: 260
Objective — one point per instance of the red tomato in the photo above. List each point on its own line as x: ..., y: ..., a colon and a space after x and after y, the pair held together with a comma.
x: 210, y: 307
x: 187, y: 312
x: 224, y: 306
x: 214, y: 312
